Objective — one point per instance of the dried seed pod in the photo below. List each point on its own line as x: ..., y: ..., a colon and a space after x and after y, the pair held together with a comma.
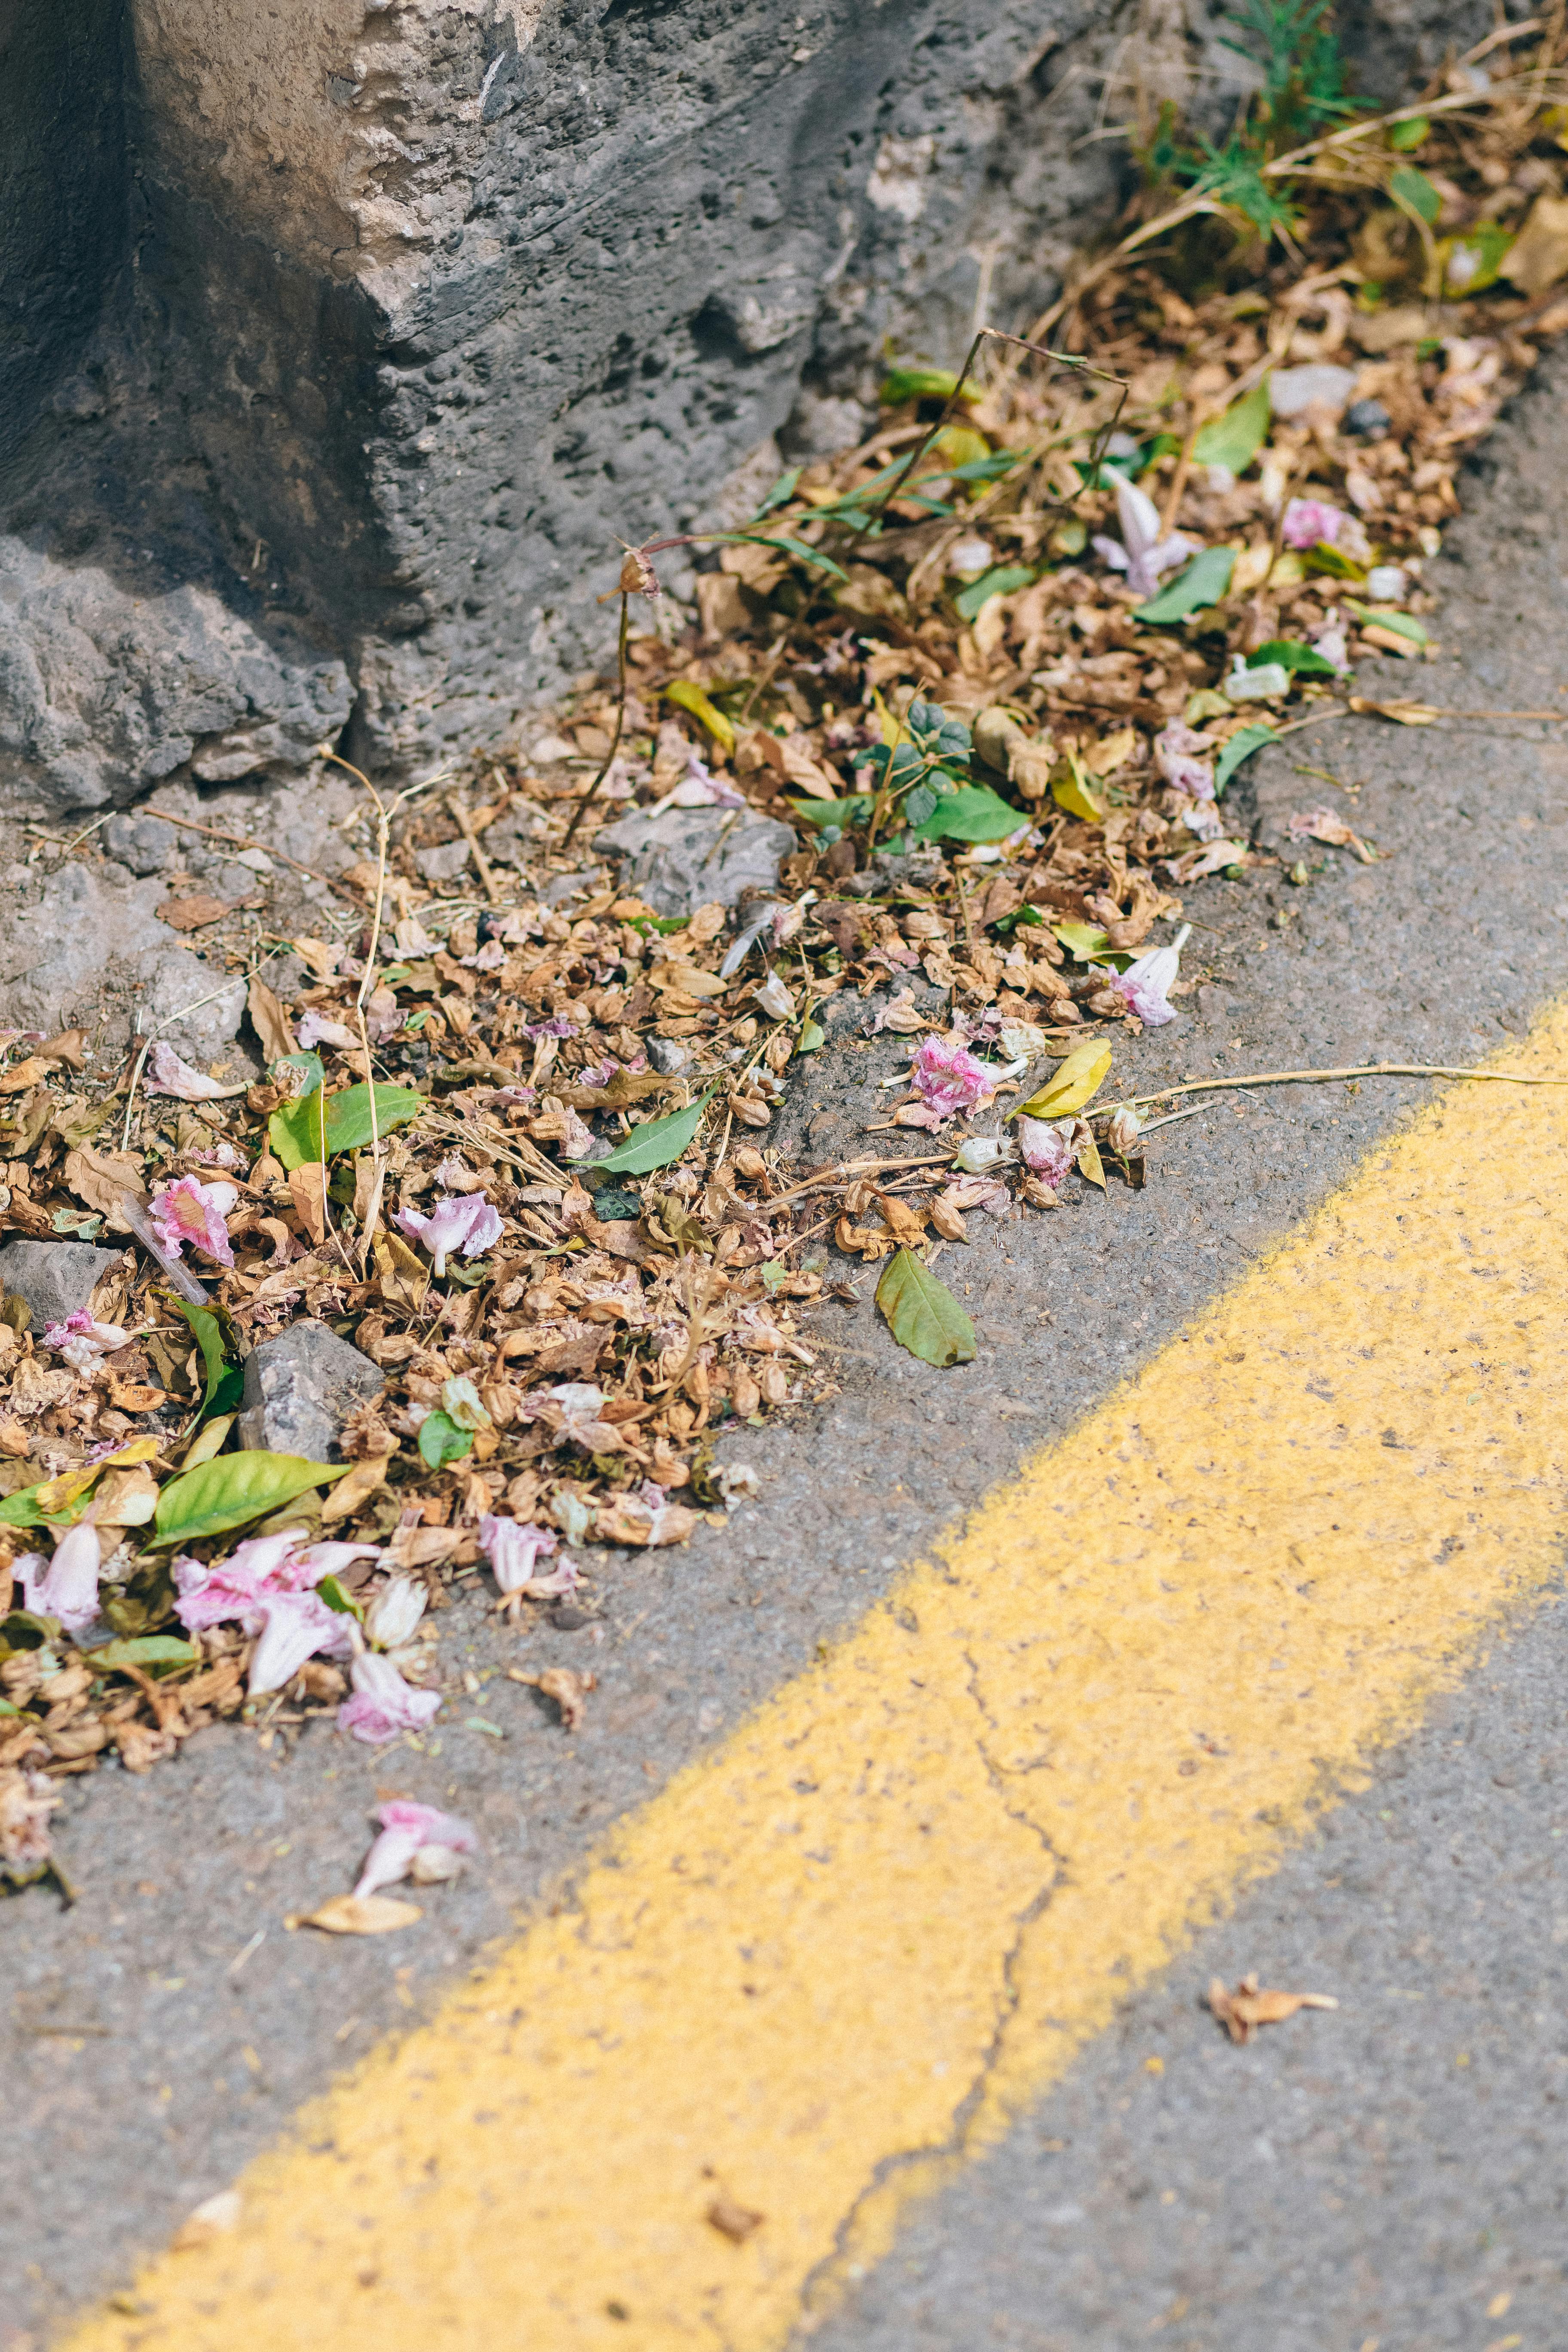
x: 745, y: 1395
x: 749, y: 1163
x: 750, y: 1109
x: 778, y: 1049
x: 774, y: 1382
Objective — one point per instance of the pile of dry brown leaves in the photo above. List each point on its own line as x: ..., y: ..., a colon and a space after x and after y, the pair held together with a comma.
x: 996, y: 669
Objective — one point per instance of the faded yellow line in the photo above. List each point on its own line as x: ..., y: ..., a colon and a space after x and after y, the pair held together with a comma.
x: 835, y: 1958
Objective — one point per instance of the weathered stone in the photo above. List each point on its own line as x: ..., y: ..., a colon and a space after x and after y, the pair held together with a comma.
x: 443, y: 863
x: 56, y: 1278
x: 687, y: 858
x: 72, y: 937
x: 300, y: 1386
x: 145, y: 844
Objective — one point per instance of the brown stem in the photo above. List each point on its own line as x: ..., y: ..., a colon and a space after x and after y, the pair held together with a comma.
x: 586, y: 802
x: 466, y: 828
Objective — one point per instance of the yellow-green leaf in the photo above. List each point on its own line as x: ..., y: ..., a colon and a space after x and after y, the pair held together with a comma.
x: 234, y: 1489
x: 1236, y: 438
x: 1072, y: 793
x: 688, y: 695
x: 1074, y: 1083
x: 1089, y: 1162
x: 922, y: 1314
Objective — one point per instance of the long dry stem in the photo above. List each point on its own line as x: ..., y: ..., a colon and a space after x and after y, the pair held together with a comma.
x: 587, y: 800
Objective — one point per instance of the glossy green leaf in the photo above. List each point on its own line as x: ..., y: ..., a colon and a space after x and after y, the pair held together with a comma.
x: 295, y: 1132
x: 226, y: 1383
x: 146, y: 1650
x: 1414, y: 193
x: 1240, y: 747
x: 974, y: 813
x: 1236, y: 438
x: 999, y: 581
x: 656, y: 1144
x: 441, y: 1441
x: 1291, y: 654
x: 1403, y: 137
x: 922, y: 1314
x: 1081, y: 940
x: 1403, y: 625
x: 338, y: 1597
x: 233, y: 1490
x: 1205, y: 580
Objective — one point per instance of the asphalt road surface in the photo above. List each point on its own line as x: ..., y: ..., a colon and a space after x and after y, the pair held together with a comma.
x: 1394, y: 2175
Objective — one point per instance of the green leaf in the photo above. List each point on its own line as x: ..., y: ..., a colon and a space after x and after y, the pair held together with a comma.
x: 441, y: 1441
x: 1240, y: 747
x: 854, y: 808
x: 311, y: 1068
x: 225, y: 1382
x: 799, y: 549
x: 338, y: 1597
x: 1325, y: 557
x: 1405, y: 137
x: 813, y: 1037
x: 999, y: 581
x: 656, y: 1144
x: 901, y: 384
x: 782, y: 492
x: 1414, y: 192
x: 974, y: 813
x: 234, y: 1489
x: 1403, y: 625
x: 146, y: 1650
x: 1205, y: 580
x: 1236, y: 438
x: 1081, y: 940
x: 461, y: 1404
x: 922, y: 1314
x: 296, y: 1131
x: 1292, y: 656
x: 986, y: 469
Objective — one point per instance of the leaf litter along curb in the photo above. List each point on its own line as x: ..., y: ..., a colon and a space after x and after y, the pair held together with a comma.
x: 995, y: 668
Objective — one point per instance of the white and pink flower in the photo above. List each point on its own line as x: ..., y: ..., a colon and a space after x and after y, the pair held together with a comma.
x: 514, y: 1548
x: 1144, y: 550
x: 67, y: 1586
x: 1048, y: 1148
x: 465, y: 1223
x: 81, y: 1342
x: 382, y: 1704
x: 947, y: 1077
x: 409, y: 1830
x: 185, y: 1210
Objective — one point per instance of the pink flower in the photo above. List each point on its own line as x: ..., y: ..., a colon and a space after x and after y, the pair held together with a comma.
x: 81, y: 1342
x: 1144, y: 986
x: 67, y: 1587
x: 1311, y: 522
x: 515, y: 1547
x: 406, y: 1829
x: 255, y: 1574
x: 947, y: 1077
x: 382, y: 1704
x: 1046, y: 1148
x: 1177, y: 749
x: 315, y: 1029
x: 1143, y: 553
x: 466, y: 1222
x: 294, y: 1626
x: 167, y: 1074
x: 188, y: 1211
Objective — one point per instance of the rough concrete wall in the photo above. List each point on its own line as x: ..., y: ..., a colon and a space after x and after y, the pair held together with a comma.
x: 437, y: 299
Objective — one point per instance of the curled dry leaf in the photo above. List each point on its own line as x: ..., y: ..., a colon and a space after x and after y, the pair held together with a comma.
x: 1249, y: 2006
x: 191, y: 914
x: 362, y: 1914
x: 733, y: 2219
x: 566, y: 1686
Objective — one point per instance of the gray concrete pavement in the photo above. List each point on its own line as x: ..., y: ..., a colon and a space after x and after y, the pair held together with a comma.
x: 198, y: 2041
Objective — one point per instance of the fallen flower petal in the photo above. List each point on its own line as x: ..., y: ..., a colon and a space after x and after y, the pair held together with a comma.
x: 514, y: 1548
x: 1046, y: 1148
x: 464, y: 1221
x: 1176, y: 751
x: 1142, y: 554
x: 315, y: 1029
x: 188, y: 1211
x: 382, y: 1704
x: 1145, y: 986
x: 67, y: 1587
x: 406, y: 1826
x: 166, y: 1074
x: 81, y: 1342
x: 948, y: 1078
x: 294, y: 1626
x: 396, y: 1610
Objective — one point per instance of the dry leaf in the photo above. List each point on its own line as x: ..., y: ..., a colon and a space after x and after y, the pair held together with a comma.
x: 68, y: 1046
x: 402, y: 1278
x: 26, y: 1074
x: 906, y: 1224
x: 1249, y: 2007
x: 320, y: 957
x: 308, y: 1190
x: 362, y: 1915
x: 191, y: 914
x: 134, y: 1396
x: 99, y: 1178
x: 566, y: 1686
x: 733, y: 2220
x: 685, y: 979
x: 1403, y: 713
x: 348, y: 1496
x: 269, y: 1022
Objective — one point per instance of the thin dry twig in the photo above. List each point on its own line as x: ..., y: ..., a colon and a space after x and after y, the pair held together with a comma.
x: 1323, y: 1077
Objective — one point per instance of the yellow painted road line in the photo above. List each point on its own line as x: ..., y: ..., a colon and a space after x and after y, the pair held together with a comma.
x: 837, y: 1956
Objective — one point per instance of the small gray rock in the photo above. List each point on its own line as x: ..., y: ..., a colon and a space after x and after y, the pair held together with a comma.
x: 300, y: 1386
x: 687, y: 858
x: 668, y: 1058
x: 145, y: 844
x: 443, y: 863
x: 1321, y: 386
x: 56, y: 1278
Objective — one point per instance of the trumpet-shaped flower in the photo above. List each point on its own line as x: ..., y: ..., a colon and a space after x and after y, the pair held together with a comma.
x: 1145, y: 986
x: 67, y: 1586
x: 294, y: 1626
x: 167, y: 1073
x: 1177, y: 751
x: 81, y: 1342
x: 382, y: 1704
x: 1046, y: 1148
x: 464, y: 1221
x: 408, y: 1828
x: 395, y: 1612
x: 947, y: 1077
x: 1143, y: 553
x: 515, y: 1547
x: 189, y: 1211
x: 256, y: 1573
